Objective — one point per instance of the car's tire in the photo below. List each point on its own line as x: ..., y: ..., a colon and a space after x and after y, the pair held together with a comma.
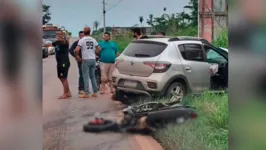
x: 108, y: 126
x: 173, y: 87
x: 169, y: 115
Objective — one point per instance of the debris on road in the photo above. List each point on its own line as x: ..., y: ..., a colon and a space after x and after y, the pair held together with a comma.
x: 145, y: 118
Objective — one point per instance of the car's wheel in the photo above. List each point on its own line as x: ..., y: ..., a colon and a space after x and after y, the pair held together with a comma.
x: 176, y: 91
x: 107, y: 126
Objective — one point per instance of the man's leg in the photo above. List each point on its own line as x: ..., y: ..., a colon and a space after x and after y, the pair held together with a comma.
x: 81, y: 82
x: 110, y: 75
x: 103, y: 77
x: 92, y: 76
x: 85, y: 73
x: 62, y: 70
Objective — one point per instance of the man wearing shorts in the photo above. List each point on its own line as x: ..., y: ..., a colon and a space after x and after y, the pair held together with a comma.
x: 108, y: 53
x: 88, y: 47
x: 61, y: 52
x: 71, y: 51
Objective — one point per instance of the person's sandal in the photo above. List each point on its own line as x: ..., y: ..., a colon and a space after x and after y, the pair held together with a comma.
x: 94, y: 95
x: 84, y: 96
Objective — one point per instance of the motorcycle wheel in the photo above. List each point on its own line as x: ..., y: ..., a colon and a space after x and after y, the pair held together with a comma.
x: 109, y: 125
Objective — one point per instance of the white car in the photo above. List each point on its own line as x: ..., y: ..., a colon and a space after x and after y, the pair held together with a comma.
x: 225, y: 49
x: 51, y: 49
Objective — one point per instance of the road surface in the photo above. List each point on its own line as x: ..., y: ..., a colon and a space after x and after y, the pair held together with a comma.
x: 63, y: 119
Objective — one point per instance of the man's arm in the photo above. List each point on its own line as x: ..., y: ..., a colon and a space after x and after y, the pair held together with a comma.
x: 116, y: 50
x: 98, y: 48
x: 72, y: 48
x: 77, y: 51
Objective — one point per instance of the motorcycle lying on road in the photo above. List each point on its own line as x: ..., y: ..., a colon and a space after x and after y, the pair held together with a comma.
x: 98, y: 73
x: 145, y: 118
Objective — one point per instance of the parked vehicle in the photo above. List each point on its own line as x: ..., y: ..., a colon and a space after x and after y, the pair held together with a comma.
x: 169, y: 66
x: 44, y: 52
x: 98, y: 74
x: 51, y: 50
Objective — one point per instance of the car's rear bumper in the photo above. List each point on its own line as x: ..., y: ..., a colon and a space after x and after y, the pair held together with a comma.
x: 152, y: 85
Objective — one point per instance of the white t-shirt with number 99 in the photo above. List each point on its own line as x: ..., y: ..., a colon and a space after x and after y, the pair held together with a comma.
x: 88, y: 47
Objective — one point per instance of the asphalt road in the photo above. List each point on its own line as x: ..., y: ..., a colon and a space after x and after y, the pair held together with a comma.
x: 63, y: 119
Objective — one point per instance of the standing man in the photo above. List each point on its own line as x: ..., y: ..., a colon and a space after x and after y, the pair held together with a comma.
x: 161, y: 33
x: 88, y: 45
x: 137, y: 33
x: 108, y: 54
x: 61, y: 50
x: 71, y: 51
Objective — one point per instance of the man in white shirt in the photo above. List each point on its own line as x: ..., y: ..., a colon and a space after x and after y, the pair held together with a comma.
x: 88, y: 47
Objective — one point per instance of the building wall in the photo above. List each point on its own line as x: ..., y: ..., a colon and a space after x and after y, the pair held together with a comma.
x: 125, y: 30
x: 213, y: 17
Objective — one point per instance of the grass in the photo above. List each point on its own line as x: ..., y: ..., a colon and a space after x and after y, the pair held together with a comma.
x: 208, y: 132
x: 222, y: 39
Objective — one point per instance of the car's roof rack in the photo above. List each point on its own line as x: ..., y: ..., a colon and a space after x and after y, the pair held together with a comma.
x: 154, y: 36
x: 181, y: 38
x: 178, y: 38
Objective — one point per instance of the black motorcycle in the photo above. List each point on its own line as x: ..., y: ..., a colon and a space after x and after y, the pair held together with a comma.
x: 98, y: 74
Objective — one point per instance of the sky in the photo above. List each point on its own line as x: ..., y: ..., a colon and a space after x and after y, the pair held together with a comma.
x: 75, y: 14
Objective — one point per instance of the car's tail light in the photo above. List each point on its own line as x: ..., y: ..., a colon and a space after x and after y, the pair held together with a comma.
x: 158, y: 67
x: 193, y: 115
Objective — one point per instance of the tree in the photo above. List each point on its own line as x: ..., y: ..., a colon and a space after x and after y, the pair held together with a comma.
x: 141, y: 19
x: 96, y: 24
x: 46, y: 15
x: 69, y: 33
x: 150, y: 20
x: 193, y: 6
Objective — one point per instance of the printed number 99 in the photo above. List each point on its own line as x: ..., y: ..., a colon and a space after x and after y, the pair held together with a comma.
x: 89, y: 44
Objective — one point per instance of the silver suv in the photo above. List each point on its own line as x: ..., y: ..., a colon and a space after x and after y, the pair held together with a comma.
x: 168, y: 66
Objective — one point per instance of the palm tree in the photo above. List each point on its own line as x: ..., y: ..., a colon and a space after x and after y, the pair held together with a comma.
x: 96, y: 24
x: 151, y: 19
x: 141, y: 19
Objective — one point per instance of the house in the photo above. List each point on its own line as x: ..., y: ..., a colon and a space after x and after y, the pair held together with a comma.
x: 213, y: 17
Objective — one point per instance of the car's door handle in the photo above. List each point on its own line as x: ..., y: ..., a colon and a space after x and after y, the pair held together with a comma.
x: 188, y: 69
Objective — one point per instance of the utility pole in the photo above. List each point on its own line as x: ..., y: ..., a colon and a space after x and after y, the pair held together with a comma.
x: 104, y: 11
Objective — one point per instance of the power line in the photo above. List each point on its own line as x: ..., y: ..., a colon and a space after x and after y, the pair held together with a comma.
x: 115, y: 5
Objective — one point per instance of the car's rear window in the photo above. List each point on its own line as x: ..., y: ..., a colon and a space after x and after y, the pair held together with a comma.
x: 144, y: 49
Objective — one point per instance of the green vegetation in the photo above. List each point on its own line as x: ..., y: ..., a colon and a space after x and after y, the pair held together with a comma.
x: 208, y: 132
x: 222, y: 39
x: 46, y: 17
